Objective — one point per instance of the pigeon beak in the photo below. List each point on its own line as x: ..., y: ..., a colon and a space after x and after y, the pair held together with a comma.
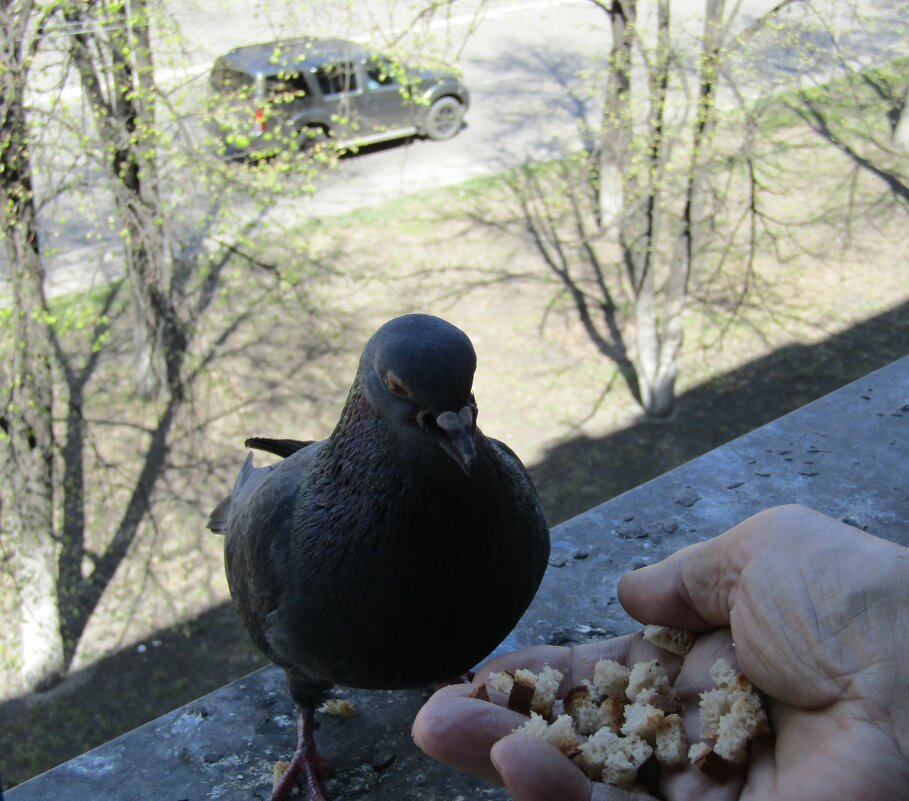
x: 458, y: 437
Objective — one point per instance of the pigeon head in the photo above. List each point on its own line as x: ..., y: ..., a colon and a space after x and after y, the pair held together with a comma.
x: 417, y: 372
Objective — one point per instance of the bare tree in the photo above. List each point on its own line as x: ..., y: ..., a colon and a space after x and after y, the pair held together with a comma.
x: 74, y: 507
x: 901, y: 129
x: 27, y: 458
x: 112, y: 53
x: 625, y: 225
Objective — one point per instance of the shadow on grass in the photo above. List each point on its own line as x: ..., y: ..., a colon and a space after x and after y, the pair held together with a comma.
x: 122, y: 691
x: 182, y: 663
x: 585, y: 472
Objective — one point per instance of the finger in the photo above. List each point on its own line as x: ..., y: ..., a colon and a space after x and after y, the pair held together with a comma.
x: 534, y: 658
x: 697, y: 587
x: 689, y: 589
x: 578, y: 662
x: 459, y: 730
x: 533, y: 770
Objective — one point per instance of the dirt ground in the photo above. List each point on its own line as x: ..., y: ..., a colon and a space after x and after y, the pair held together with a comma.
x: 539, y: 387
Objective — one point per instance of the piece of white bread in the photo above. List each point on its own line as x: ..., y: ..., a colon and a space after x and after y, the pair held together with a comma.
x: 732, y: 715
x: 559, y: 733
x: 587, y: 712
x: 676, y: 641
x: 608, y: 757
x: 671, y: 745
x: 664, y: 731
x: 610, y: 678
x: 528, y: 691
x: 612, y: 725
x: 647, y: 677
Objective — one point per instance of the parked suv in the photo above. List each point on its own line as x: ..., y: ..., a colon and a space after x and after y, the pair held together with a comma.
x: 300, y: 92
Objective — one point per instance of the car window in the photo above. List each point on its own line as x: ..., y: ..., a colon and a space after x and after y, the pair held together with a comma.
x: 226, y: 79
x: 333, y: 79
x: 285, y: 87
x: 379, y: 72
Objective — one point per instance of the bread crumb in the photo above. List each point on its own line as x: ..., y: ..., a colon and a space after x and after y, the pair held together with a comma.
x: 704, y: 758
x: 713, y: 705
x: 612, y: 711
x: 671, y: 741
x: 560, y: 733
x: 723, y: 674
x: 479, y: 691
x: 582, y: 705
x: 610, y: 678
x: 676, y: 641
x: 502, y: 682
x: 528, y: 691
x: 745, y: 720
x: 339, y: 707
x: 546, y: 687
x: 732, y: 714
x: 606, y: 756
x: 643, y: 720
x: 647, y: 676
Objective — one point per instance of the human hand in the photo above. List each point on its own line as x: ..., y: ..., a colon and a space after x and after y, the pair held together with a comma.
x: 475, y: 735
x: 819, y: 613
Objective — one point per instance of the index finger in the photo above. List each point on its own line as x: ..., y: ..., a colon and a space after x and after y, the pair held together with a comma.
x: 577, y: 662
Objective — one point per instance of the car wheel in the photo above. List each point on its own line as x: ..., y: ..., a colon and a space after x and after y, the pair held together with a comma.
x: 313, y: 138
x: 444, y: 118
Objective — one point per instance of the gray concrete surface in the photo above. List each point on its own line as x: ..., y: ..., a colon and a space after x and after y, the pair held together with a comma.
x: 846, y: 454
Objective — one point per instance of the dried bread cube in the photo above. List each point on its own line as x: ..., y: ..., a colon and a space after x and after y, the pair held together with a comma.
x: 671, y: 744
x: 706, y: 760
x: 480, y: 692
x: 582, y: 704
x: 674, y: 640
x: 610, y: 678
x: 744, y: 720
x: 612, y: 712
x: 608, y: 757
x: 724, y: 675
x: 665, y: 732
x: 713, y: 705
x: 339, y: 707
x: 502, y: 681
x: 644, y: 720
x: 528, y: 691
x: 732, y: 714
x: 559, y: 733
x: 647, y: 677
x: 546, y: 687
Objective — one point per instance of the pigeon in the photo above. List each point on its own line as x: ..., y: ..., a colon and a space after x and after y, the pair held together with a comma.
x: 397, y: 553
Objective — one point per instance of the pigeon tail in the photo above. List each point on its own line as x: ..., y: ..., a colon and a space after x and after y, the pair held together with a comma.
x: 220, y: 516
x: 279, y: 447
x: 217, y: 521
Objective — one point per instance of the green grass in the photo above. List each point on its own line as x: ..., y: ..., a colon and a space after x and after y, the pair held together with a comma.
x: 849, y: 97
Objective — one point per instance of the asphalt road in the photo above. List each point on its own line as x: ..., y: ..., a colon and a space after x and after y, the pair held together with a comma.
x: 523, y: 61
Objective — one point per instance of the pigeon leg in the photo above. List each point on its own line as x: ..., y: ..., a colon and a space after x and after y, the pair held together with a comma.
x: 306, y: 760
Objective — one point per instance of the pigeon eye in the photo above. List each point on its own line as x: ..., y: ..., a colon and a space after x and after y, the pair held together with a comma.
x: 396, y: 386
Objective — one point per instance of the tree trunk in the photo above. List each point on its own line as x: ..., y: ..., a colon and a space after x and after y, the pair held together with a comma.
x: 126, y: 122
x: 613, y: 152
x: 27, y: 456
x: 901, y: 131
x: 663, y: 366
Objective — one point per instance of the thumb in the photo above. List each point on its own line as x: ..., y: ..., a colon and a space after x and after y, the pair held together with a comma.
x: 696, y: 588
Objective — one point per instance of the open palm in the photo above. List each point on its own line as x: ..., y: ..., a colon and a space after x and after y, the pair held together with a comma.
x: 814, y: 612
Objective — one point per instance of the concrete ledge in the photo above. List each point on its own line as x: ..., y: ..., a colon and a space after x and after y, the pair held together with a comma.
x: 846, y: 454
